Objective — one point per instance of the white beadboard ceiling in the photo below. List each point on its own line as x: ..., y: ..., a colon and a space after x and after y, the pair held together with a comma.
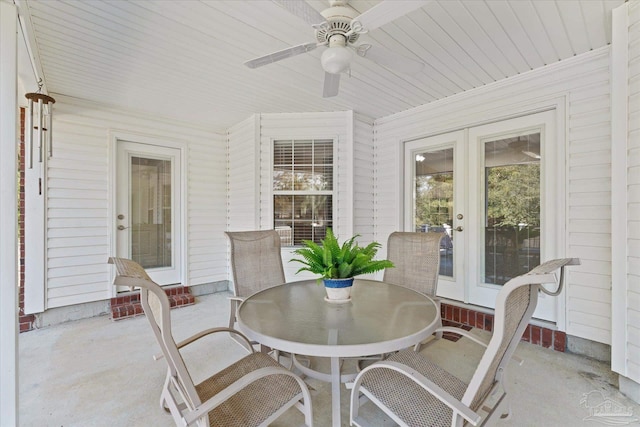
x: 183, y: 59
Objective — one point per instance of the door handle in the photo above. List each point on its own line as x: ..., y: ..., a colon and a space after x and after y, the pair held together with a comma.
x: 122, y: 227
x: 458, y: 228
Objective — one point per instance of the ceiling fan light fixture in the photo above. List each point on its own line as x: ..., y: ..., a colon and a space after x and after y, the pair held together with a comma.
x: 336, y: 59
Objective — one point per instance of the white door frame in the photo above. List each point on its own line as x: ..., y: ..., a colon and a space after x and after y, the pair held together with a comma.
x: 554, y: 163
x: 115, y: 138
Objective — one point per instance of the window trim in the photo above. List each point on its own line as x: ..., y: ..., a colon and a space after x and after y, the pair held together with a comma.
x: 333, y: 192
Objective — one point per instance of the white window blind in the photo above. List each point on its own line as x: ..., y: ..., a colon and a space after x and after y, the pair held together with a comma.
x: 302, y: 189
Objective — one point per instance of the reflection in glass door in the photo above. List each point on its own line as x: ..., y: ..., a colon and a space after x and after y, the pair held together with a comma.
x: 512, y: 197
x: 434, y: 200
x: 433, y: 181
x: 512, y: 208
x: 148, y: 209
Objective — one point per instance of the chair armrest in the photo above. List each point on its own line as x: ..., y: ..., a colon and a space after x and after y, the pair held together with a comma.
x: 204, y: 333
x: 240, y: 384
x: 459, y: 331
x: 478, y: 340
x: 425, y: 383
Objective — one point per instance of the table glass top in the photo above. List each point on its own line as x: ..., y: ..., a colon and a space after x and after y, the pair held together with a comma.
x: 297, y: 312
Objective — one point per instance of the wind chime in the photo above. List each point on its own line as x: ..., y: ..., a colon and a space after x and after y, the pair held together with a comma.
x: 39, y: 121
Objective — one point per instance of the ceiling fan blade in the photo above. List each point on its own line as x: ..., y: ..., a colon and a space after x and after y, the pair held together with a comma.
x: 280, y: 55
x: 303, y: 10
x: 390, y: 59
x: 384, y: 12
x: 331, y: 85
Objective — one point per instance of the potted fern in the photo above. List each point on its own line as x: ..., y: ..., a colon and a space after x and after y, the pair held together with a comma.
x: 338, y: 264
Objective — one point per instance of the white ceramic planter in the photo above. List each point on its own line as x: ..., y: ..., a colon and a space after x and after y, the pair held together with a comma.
x: 338, y: 290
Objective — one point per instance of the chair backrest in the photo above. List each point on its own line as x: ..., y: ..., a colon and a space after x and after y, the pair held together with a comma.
x: 416, y: 257
x: 515, y: 305
x: 256, y: 261
x: 155, y: 304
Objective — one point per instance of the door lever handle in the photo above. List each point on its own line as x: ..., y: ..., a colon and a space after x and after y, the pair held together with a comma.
x: 122, y: 227
x: 458, y: 228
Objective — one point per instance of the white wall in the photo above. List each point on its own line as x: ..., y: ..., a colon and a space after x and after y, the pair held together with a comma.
x: 243, y: 175
x: 633, y: 200
x: 625, y: 147
x: 363, y: 179
x: 250, y: 144
x: 581, y: 86
x: 8, y: 221
x: 79, y: 224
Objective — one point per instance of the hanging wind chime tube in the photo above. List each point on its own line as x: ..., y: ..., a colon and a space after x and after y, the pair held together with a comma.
x: 42, y: 125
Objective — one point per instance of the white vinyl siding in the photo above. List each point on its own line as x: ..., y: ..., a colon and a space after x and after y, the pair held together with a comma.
x: 336, y: 126
x: 242, y: 176
x: 363, y: 179
x: 633, y: 197
x: 78, y: 218
x: 582, y: 85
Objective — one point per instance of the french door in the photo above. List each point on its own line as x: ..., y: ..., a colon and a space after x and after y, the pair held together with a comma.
x: 493, y: 190
x: 148, y: 209
x: 436, y: 189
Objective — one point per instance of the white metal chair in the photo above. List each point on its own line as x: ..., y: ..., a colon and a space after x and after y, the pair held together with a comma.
x: 415, y: 392
x: 416, y: 257
x: 253, y: 391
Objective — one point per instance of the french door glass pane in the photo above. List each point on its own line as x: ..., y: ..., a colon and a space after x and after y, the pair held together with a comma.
x: 151, y: 212
x: 512, y: 209
x: 434, y: 200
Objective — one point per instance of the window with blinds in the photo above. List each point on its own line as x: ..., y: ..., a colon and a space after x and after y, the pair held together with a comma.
x: 302, y: 189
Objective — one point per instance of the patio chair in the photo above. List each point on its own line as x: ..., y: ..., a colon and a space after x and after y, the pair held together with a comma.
x: 256, y: 264
x: 253, y: 391
x: 416, y: 257
x: 415, y: 392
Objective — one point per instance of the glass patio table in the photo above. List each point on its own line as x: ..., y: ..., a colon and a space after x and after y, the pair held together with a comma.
x: 379, y: 318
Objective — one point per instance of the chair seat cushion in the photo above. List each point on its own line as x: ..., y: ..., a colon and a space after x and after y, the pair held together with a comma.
x: 257, y: 401
x: 415, y: 406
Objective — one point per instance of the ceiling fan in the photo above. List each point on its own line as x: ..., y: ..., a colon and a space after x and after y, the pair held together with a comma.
x: 338, y: 28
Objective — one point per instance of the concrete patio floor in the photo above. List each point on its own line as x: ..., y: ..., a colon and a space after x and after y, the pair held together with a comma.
x: 97, y: 372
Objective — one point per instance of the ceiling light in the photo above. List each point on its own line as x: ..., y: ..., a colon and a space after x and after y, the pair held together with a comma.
x: 337, y: 58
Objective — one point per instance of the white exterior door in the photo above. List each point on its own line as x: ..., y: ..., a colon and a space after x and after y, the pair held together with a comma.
x: 494, y: 190
x: 148, y: 209
x: 435, y: 184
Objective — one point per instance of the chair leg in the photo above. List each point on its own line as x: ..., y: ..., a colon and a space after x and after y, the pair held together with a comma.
x: 163, y: 401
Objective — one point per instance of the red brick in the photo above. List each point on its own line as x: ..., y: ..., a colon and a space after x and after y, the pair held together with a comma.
x: 559, y: 341
x: 536, y: 334
x: 488, y: 322
x: 480, y: 320
x: 471, y: 318
x: 547, y: 337
x: 456, y: 314
x: 464, y: 316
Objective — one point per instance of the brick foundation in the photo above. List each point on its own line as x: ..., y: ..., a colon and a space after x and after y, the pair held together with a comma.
x: 26, y: 321
x: 537, y: 335
x: 128, y: 305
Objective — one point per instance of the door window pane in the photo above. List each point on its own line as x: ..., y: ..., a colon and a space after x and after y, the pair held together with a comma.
x: 434, y: 200
x: 512, y: 210
x: 151, y: 212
